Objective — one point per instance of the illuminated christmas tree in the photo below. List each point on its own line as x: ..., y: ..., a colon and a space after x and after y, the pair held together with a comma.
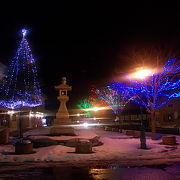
x: 92, y: 101
x: 20, y: 87
x: 115, y: 95
x: 94, y: 98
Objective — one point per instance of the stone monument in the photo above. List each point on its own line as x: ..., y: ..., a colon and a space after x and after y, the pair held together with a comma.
x: 62, y: 122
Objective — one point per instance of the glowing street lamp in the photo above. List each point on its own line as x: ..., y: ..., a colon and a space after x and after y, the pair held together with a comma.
x: 142, y: 74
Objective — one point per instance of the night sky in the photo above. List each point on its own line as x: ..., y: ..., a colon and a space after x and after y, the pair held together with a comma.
x: 89, y: 43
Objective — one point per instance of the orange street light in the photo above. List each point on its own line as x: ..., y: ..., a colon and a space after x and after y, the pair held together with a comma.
x: 142, y: 74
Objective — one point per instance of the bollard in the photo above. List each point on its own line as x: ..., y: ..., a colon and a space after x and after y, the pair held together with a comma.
x: 114, y: 130
x: 137, y: 134
x: 84, y: 147
x: 107, y: 128
x: 130, y: 133
x: 169, y: 140
x: 120, y: 130
x: 24, y: 147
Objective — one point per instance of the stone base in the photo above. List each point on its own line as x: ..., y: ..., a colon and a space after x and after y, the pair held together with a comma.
x: 62, y: 115
x: 68, y: 131
x: 62, y: 121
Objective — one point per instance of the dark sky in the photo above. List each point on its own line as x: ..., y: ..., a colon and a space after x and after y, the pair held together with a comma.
x: 86, y: 41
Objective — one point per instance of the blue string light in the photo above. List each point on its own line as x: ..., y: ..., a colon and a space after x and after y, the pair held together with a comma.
x: 159, y: 88
x: 20, y: 88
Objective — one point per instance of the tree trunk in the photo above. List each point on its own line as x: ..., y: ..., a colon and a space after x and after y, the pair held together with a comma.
x: 153, y: 125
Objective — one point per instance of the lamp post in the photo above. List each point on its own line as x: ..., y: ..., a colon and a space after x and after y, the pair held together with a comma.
x: 141, y: 75
x: 143, y: 132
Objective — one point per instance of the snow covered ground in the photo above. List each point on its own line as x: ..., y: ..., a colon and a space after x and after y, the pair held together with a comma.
x: 117, y: 147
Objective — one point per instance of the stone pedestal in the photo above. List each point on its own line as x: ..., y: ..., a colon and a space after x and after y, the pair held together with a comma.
x: 61, y: 121
x: 62, y: 127
x: 62, y: 112
x: 62, y: 130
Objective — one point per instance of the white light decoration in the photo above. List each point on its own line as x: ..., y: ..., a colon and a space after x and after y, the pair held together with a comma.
x: 11, y: 112
x: 36, y: 114
x: 85, y: 124
x: 31, y: 115
x: 24, y: 32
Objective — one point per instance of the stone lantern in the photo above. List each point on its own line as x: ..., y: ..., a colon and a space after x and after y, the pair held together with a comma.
x: 62, y: 121
x: 62, y: 115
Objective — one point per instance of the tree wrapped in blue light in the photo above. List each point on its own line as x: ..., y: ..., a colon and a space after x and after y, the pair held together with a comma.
x: 20, y: 87
x: 157, y: 89
x: 116, y: 96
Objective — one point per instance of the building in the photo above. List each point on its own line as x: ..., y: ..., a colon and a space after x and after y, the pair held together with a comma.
x: 167, y: 116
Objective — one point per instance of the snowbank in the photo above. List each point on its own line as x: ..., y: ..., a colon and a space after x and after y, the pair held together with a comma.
x: 116, y: 147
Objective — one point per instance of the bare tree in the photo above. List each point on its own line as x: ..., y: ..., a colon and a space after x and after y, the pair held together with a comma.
x: 115, y: 95
x: 157, y: 89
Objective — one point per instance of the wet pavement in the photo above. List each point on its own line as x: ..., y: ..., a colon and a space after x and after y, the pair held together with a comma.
x: 111, y: 172
x: 116, y: 169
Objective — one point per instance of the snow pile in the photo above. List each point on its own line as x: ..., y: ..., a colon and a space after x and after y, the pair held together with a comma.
x: 80, y: 133
x: 116, y: 147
